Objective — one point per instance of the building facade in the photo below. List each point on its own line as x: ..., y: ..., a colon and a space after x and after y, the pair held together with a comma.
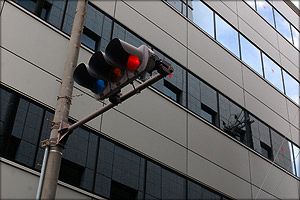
x: 224, y: 126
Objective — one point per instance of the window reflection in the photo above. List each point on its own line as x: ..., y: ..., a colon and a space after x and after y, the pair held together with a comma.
x: 265, y: 10
x: 227, y: 36
x: 202, y: 16
x: 251, y: 55
x: 196, y: 191
x: 296, y: 37
x: 50, y: 10
x: 233, y: 120
x: 283, y: 26
x: 251, y: 3
x: 296, y: 158
x: 281, y: 151
x: 292, y: 87
x: 272, y: 72
x: 202, y: 99
x: 173, y: 86
x: 261, y: 137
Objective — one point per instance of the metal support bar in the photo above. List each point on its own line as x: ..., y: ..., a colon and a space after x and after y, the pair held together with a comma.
x: 68, y: 130
x: 42, y: 175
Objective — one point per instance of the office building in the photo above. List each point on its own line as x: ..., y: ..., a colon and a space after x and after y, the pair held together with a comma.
x: 224, y: 126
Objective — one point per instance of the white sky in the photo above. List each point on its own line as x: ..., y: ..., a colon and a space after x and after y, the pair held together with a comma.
x: 296, y: 3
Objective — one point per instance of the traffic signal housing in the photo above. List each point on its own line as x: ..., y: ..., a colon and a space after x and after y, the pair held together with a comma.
x: 120, y: 65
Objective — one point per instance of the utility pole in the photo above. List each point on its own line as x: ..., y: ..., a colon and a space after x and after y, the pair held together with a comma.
x: 53, y: 153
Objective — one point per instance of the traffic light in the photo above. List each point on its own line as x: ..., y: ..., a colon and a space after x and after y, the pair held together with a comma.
x: 120, y: 65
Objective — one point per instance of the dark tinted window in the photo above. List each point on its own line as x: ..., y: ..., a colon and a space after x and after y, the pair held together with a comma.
x: 153, y: 181
x: 196, y: 191
x: 202, y: 99
x: 261, y: 138
x: 232, y: 119
x: 282, y: 151
x: 175, y: 87
x: 50, y: 10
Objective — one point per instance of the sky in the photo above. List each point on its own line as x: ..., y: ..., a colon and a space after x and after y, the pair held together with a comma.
x: 296, y: 3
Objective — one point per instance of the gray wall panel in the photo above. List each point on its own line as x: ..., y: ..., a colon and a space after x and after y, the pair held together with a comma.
x: 295, y: 134
x: 258, y: 193
x: 269, y: 47
x: 290, y: 67
x: 106, y: 6
x: 143, y: 139
x: 256, y: 23
x: 264, y: 92
x: 231, y: 5
x: 27, y: 78
x: 267, y: 115
x: 224, y: 11
x: 158, y: 113
x: 294, y: 113
x: 210, y: 51
x: 151, y: 32
x: 215, y: 78
x: 272, y: 179
x: 30, y: 42
x: 288, y: 51
x: 20, y: 184
x: 284, y: 9
x: 163, y: 17
x: 213, y: 145
x: 217, y: 177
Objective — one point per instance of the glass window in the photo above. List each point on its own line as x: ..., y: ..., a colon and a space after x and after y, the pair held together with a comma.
x: 173, y: 186
x: 69, y: 16
x: 283, y: 26
x: 196, y: 191
x: 251, y: 55
x: 50, y: 10
x: 125, y: 35
x: 296, y: 158
x: 227, y: 36
x: 272, y: 72
x: 292, y: 87
x: 251, y: 3
x: 232, y: 119
x: 178, y: 5
x: 8, y: 105
x: 99, y: 26
x: 126, y: 168
x: 282, y: 151
x: 153, y: 181
x: 56, y: 12
x: 202, y: 99
x: 202, y: 16
x: 296, y: 38
x: 265, y: 10
x: 261, y: 137
x: 175, y: 86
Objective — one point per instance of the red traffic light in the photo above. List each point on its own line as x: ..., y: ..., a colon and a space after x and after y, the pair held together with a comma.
x: 117, y: 73
x: 133, y: 63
